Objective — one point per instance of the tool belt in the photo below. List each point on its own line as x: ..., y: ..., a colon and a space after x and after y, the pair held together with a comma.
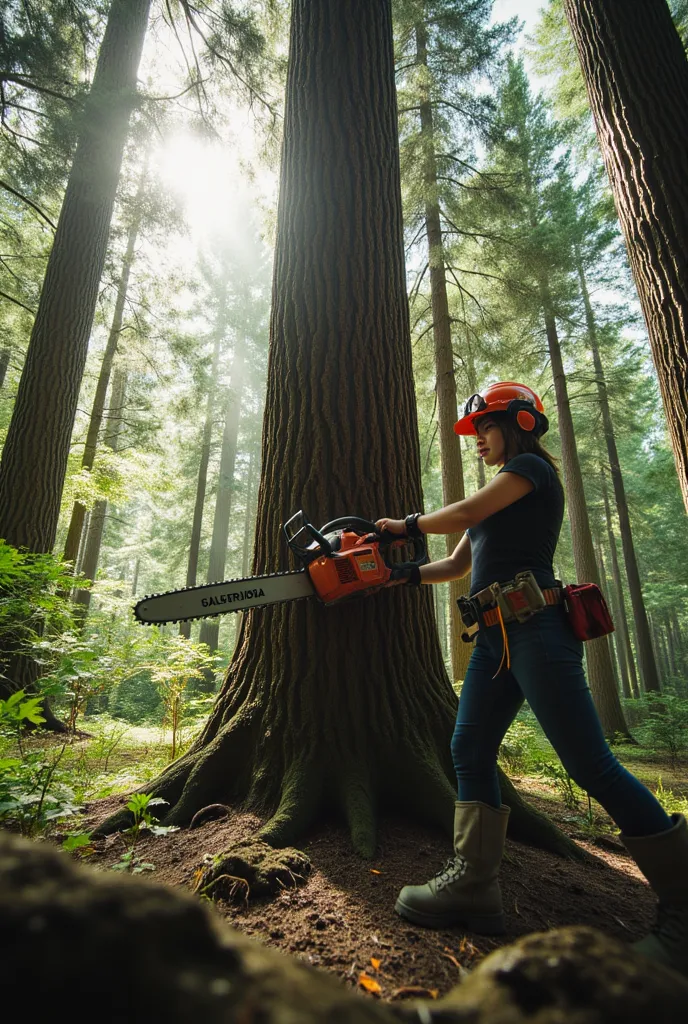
x: 515, y: 600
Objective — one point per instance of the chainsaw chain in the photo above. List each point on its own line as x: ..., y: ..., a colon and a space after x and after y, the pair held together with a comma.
x: 215, y: 615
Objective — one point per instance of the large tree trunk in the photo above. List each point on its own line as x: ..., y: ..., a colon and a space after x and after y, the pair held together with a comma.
x: 600, y: 670
x: 646, y: 661
x: 623, y: 636
x: 202, y: 480
x: 636, y: 74
x: 210, y: 628
x: 34, y: 459
x: 445, y: 383
x: 96, y: 523
x: 76, y: 524
x: 348, y: 709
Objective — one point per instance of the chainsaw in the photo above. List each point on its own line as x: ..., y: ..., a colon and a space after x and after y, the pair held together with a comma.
x: 344, y: 559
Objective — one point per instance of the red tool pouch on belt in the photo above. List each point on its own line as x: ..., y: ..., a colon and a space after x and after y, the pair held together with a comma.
x: 587, y: 611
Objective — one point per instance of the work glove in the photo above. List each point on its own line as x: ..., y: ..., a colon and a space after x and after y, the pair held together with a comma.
x: 406, y: 572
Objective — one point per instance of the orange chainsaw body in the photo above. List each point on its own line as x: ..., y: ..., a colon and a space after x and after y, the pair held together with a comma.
x: 356, y: 566
x: 349, y: 556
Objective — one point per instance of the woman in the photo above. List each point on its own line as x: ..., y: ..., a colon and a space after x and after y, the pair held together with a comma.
x: 512, y: 525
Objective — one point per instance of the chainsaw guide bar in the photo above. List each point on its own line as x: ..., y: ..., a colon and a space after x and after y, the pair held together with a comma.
x: 215, y: 599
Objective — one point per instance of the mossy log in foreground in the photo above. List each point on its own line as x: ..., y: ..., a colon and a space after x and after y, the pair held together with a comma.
x: 137, y: 952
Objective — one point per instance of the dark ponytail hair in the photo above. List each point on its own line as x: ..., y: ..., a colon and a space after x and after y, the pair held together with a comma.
x: 518, y: 441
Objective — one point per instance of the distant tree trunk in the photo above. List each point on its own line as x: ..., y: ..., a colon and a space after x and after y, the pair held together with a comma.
x: 623, y: 645
x: 642, y: 133
x: 94, y: 537
x: 249, y: 517
x: 445, y: 384
x: 657, y: 647
x: 210, y: 628
x: 661, y: 653
x: 671, y: 647
x: 348, y: 709
x: 135, y: 581
x: 679, y: 643
x: 34, y: 459
x: 646, y: 661
x: 472, y: 389
x: 82, y: 546
x: 76, y: 524
x: 202, y: 480
x: 618, y: 662
x: 5, y: 354
x: 600, y: 670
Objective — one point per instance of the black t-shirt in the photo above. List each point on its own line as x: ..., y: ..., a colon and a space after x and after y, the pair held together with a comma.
x: 523, y: 535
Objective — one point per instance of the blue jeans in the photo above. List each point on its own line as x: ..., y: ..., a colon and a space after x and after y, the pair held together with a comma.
x: 547, y: 671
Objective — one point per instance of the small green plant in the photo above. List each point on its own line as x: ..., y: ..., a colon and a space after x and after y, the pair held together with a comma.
x: 563, y: 782
x: 185, y: 661
x: 80, y: 841
x: 32, y: 790
x: 671, y: 802
x: 139, y: 804
x: 17, y: 712
x: 33, y: 591
x: 80, y: 672
x: 519, y: 751
x: 662, y: 722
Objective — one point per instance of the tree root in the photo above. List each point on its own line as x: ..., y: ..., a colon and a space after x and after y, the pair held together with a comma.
x: 167, y: 786
x: 252, y: 868
x: 528, y: 825
x: 301, y: 799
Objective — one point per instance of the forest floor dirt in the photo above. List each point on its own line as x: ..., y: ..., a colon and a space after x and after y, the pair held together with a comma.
x: 342, y: 918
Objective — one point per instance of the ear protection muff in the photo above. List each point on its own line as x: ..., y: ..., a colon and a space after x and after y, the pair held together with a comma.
x: 525, y: 420
x: 528, y: 417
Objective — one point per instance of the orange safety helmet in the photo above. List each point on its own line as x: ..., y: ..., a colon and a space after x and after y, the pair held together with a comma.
x: 518, y: 400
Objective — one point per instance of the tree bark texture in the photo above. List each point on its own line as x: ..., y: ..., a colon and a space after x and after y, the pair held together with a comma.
x: 210, y: 628
x: 76, y: 524
x: 598, y: 655
x: 453, y: 488
x: 621, y: 621
x: 34, y: 460
x: 646, y: 661
x: 636, y: 75
x: 96, y: 523
x: 202, y: 480
x: 346, y: 709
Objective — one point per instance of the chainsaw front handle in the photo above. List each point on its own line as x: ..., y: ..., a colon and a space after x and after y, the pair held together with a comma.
x: 392, y: 542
